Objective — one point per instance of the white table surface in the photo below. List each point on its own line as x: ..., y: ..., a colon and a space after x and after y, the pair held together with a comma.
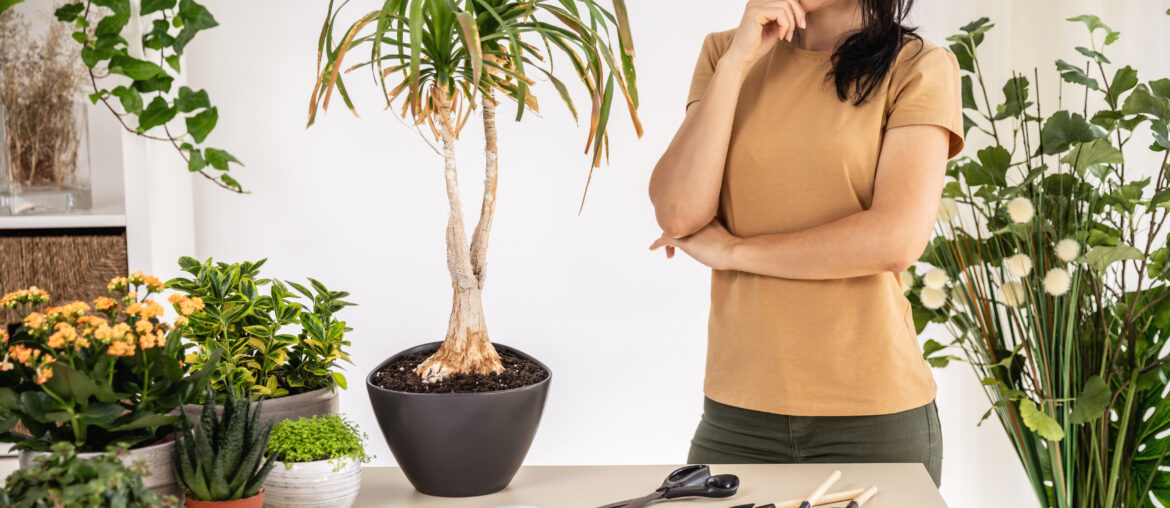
x: 900, y: 486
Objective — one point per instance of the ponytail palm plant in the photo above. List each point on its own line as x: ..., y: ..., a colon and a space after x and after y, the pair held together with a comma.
x: 434, y: 60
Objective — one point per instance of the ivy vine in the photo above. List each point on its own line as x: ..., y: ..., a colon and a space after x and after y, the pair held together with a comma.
x: 147, y: 100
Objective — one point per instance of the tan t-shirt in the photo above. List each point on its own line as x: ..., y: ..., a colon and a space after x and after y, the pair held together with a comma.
x: 800, y: 157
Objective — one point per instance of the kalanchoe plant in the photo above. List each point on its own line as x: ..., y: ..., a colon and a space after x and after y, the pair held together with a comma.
x: 331, y: 437
x: 221, y: 458
x: 61, y: 478
x: 93, y: 376
x: 273, y: 345
x: 1049, y: 270
x: 145, y: 96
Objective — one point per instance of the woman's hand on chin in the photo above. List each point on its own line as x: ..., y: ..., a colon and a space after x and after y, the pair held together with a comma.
x: 711, y: 246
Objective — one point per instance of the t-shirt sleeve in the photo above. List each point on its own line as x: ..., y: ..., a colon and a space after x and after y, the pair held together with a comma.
x: 928, y: 93
x: 704, y: 69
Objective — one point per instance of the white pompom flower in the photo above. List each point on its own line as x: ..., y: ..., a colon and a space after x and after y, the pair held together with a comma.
x: 1067, y: 250
x: 1018, y: 266
x: 1057, y: 281
x: 1012, y: 294
x: 948, y: 210
x: 1020, y: 210
x: 932, y: 298
x: 935, y: 278
x: 906, y: 279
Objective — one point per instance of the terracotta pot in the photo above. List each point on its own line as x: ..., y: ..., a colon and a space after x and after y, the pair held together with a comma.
x: 313, y: 484
x: 159, y: 475
x: 322, y: 401
x: 249, y: 502
x: 459, y: 444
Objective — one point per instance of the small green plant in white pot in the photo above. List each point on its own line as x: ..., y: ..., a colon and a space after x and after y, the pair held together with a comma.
x: 320, y: 463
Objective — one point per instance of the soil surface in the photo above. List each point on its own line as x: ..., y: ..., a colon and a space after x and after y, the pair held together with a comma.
x: 518, y: 372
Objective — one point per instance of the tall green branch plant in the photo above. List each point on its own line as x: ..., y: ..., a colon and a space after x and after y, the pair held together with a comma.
x: 1048, y: 269
x: 437, y: 58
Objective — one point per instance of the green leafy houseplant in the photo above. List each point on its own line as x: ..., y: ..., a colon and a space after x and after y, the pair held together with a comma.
x: 262, y: 353
x: 146, y: 101
x: 439, y: 57
x: 1049, y: 270
x: 222, y: 458
x: 331, y: 437
x: 93, y: 378
x: 61, y: 478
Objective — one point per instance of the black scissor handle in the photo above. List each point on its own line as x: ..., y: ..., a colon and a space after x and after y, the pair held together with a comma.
x: 697, y: 481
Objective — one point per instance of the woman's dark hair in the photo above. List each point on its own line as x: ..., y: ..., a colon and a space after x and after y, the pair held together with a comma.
x: 866, y: 56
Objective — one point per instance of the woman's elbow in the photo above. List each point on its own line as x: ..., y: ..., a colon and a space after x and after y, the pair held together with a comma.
x: 902, y: 255
x: 676, y: 225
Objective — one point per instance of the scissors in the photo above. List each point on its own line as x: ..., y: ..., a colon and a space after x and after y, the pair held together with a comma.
x: 686, y: 481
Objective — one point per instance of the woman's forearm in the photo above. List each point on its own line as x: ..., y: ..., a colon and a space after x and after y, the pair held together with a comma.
x: 861, y: 244
x: 686, y: 181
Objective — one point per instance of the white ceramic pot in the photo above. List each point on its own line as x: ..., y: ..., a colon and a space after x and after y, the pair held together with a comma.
x: 159, y: 475
x: 321, y: 402
x: 313, y: 484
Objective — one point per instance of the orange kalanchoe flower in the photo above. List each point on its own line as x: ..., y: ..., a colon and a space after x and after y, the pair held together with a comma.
x: 64, y: 335
x: 23, y: 354
x: 45, y: 372
x: 188, y: 306
x: 104, y: 303
x: 121, y: 348
x: 3, y: 336
x: 35, y: 320
x: 152, y: 283
x: 143, y: 326
x: 117, y: 284
x: 103, y: 332
x: 69, y: 309
x: 147, y: 341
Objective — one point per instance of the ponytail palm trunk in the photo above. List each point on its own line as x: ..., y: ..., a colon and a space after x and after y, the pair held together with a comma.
x: 438, y: 58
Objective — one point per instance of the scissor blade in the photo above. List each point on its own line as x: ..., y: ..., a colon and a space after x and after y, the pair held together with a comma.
x: 643, y: 501
x: 637, y: 501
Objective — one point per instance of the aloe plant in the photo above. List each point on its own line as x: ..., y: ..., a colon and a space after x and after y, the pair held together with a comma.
x: 220, y: 458
x: 438, y: 58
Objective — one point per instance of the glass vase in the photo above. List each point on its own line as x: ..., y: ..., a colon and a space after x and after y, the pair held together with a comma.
x: 44, y: 161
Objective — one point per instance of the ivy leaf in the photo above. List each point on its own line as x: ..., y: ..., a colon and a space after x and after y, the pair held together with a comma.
x: 1039, y: 422
x: 194, y: 18
x: 130, y: 98
x: 158, y: 36
x: 963, y: 56
x: 200, y: 125
x: 1086, y: 155
x: 1062, y: 129
x: 158, y: 84
x: 1074, y: 74
x: 968, y: 95
x: 189, y: 100
x: 138, y: 70
x: 157, y: 113
x: 1090, y: 403
x: 112, y: 24
x: 1100, y: 257
x: 149, y: 6
x: 219, y: 159
x: 67, y: 12
x: 1161, y: 87
x: 173, y: 62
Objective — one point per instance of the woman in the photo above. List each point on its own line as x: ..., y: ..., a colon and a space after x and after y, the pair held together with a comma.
x: 807, y: 175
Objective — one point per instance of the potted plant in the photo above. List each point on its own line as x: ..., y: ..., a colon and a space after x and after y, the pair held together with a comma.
x: 1049, y: 270
x: 320, y: 463
x: 438, y: 58
x: 62, y: 478
x: 100, y: 376
x: 274, y: 347
x: 219, y: 460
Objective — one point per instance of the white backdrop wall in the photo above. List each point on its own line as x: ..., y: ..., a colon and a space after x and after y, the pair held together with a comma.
x: 359, y: 204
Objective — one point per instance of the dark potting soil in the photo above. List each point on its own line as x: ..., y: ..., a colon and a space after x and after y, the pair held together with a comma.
x: 518, y: 372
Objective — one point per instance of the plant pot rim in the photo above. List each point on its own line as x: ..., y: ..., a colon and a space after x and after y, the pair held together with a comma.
x: 370, y: 377
x: 187, y: 497
x: 349, y: 462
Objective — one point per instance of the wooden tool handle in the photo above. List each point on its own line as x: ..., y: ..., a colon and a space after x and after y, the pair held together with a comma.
x: 832, y: 497
x: 814, y: 498
x: 865, y: 496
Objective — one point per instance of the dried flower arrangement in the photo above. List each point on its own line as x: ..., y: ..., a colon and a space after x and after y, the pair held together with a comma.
x: 40, y: 86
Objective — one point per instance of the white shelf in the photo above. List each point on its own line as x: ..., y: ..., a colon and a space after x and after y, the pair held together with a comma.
x: 103, y: 216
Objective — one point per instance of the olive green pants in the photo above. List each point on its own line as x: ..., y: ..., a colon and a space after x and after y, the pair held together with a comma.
x: 733, y: 435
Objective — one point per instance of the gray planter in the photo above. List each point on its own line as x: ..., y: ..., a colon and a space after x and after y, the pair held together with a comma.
x: 458, y: 444
x: 313, y: 484
x: 317, y: 402
x: 160, y: 473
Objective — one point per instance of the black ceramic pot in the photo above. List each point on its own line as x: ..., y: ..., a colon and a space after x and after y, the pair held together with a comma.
x: 458, y: 444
